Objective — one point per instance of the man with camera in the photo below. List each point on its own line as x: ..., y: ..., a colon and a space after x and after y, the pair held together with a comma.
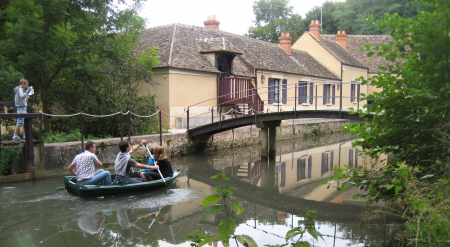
x: 21, y: 95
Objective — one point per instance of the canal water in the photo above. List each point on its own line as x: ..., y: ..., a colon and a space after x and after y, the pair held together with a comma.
x: 272, y: 192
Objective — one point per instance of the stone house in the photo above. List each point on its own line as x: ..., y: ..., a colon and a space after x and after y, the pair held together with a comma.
x: 199, y: 64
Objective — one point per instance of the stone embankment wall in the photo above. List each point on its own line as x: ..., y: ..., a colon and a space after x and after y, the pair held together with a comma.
x: 56, y: 157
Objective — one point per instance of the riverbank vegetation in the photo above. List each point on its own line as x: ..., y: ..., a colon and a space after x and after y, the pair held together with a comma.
x: 411, y: 122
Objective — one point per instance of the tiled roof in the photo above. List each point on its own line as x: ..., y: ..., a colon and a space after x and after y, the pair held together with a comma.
x: 216, y: 44
x: 189, y: 42
x: 329, y: 43
x: 354, y: 43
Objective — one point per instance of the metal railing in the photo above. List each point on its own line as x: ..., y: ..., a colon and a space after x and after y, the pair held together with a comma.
x: 233, y: 97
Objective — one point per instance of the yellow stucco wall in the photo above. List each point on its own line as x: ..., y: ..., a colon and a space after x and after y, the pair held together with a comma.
x: 160, y: 87
x: 292, y: 98
x: 310, y: 45
x: 350, y: 74
x: 189, y: 88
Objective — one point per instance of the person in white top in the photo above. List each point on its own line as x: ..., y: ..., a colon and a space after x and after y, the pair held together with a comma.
x: 84, y: 165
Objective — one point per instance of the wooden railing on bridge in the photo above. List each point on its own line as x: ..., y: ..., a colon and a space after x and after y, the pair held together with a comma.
x: 239, y: 90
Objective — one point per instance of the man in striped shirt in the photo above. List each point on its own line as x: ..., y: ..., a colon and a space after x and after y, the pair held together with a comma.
x: 84, y: 165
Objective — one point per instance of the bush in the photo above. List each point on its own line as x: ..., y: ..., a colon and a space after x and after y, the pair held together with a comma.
x: 8, y: 156
x: 72, y: 136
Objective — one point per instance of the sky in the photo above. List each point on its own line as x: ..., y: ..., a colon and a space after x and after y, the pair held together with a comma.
x: 235, y: 16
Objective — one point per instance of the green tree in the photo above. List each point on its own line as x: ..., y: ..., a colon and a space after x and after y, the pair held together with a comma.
x: 67, y: 47
x: 349, y: 14
x: 329, y: 21
x: 272, y: 17
x: 412, y: 111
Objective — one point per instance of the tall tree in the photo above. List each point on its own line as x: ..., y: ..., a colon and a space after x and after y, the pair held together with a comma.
x: 412, y: 112
x: 57, y: 44
x: 349, y: 15
x: 272, y: 17
x: 329, y: 22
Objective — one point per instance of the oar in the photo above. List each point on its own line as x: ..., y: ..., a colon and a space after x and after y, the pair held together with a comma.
x: 155, y: 164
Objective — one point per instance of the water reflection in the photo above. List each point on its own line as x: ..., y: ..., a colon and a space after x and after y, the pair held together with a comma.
x: 271, y: 191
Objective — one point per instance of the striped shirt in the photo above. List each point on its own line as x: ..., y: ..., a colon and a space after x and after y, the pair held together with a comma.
x: 84, y: 164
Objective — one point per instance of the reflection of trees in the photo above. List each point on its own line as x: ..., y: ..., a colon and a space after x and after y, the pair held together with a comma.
x: 361, y: 233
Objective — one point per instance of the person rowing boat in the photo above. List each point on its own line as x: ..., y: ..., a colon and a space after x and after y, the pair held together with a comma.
x: 163, y: 163
x: 124, y: 162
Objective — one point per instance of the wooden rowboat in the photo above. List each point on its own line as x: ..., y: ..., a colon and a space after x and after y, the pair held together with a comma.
x: 71, y: 185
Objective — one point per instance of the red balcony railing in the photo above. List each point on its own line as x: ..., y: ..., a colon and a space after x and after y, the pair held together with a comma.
x: 239, y: 90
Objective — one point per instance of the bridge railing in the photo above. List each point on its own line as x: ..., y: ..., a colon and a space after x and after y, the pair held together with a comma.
x: 233, y: 97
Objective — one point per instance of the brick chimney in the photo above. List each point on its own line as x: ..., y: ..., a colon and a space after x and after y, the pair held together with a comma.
x: 212, y: 23
x: 314, y: 28
x: 285, y: 42
x: 341, y: 38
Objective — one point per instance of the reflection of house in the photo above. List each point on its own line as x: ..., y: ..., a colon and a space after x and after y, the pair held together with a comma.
x: 201, y: 63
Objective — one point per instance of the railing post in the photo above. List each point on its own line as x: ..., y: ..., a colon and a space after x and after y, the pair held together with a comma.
x: 129, y: 125
x: 212, y: 114
x: 187, y: 121
x: 82, y: 134
x: 295, y: 100
x: 121, y: 127
x: 316, y: 97
x: 244, y: 107
x: 160, y: 128
x: 40, y: 139
x: 340, y: 101
x: 29, y: 149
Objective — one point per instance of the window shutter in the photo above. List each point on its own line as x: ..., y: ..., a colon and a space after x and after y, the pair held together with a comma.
x: 324, y: 94
x: 311, y: 92
x: 309, y: 166
x: 352, y: 92
x: 356, y: 158
x: 333, y: 94
x: 300, y: 92
x: 357, y: 95
x: 350, y: 158
x: 324, y: 158
x: 271, y: 91
x: 284, y: 92
x: 299, y: 169
x: 331, y: 159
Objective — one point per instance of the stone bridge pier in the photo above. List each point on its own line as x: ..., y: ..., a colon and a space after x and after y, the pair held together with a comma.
x: 268, y: 137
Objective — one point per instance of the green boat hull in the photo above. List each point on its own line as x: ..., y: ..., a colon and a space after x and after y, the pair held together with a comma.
x: 71, y: 185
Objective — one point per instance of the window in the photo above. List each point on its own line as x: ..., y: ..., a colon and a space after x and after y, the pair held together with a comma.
x: 353, y: 157
x: 274, y: 91
x: 329, y: 94
x: 354, y: 92
x: 301, y: 167
x: 302, y: 92
x: 327, y: 162
x: 276, y: 88
x: 224, y: 64
x: 283, y: 175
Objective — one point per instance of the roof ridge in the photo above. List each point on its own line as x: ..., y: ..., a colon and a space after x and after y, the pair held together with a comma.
x: 229, y: 33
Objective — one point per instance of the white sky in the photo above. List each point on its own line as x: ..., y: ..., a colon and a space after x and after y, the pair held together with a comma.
x: 235, y: 16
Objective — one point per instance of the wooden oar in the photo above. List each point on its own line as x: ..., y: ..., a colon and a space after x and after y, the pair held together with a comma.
x: 155, y: 164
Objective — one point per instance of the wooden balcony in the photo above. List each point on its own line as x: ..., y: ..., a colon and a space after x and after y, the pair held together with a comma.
x: 239, y: 90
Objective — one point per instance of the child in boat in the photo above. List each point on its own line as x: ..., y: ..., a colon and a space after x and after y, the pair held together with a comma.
x: 164, y: 164
x: 150, y: 160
